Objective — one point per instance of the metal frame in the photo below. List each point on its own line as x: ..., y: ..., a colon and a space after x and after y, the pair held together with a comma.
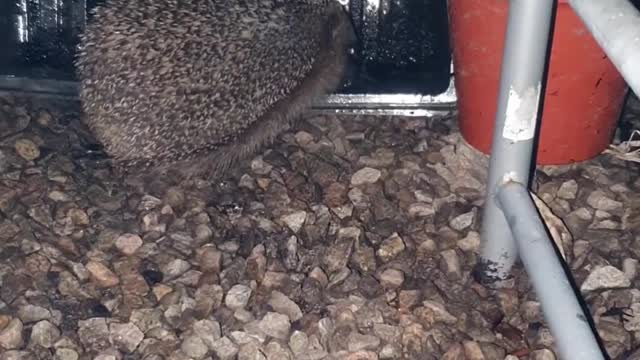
x: 442, y: 104
x: 39, y: 87
x: 391, y: 104
x: 511, y: 224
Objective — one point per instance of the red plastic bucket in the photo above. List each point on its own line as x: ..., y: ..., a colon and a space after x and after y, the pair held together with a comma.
x: 584, y: 94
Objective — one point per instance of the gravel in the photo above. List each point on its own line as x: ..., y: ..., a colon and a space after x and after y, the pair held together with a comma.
x: 237, y: 297
x: 44, y: 334
x: 605, y: 277
x: 349, y: 238
x: 11, y: 336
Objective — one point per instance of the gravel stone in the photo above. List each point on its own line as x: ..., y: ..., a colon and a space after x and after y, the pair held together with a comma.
x: 238, y: 297
x: 275, y: 325
x: 390, y: 351
x: 260, y: 167
x: 175, y: 269
x: 473, y: 351
x: 463, y: 221
x: 78, y: 217
x: 605, y: 277
x: 284, y: 305
x: 568, y: 190
x: 632, y: 323
x: 455, y: 352
x: 94, y: 333
x: 439, y: 312
x: 451, y: 264
x: 208, y: 330
x: 66, y: 354
x: 31, y: 313
x: 421, y: 209
x: 630, y: 268
x: 8, y: 230
x: 11, y: 335
x: 210, y: 259
x: 362, y: 355
x: 358, y: 198
x: 146, y: 319
x: 126, y: 337
x: 128, y: 244
x: 365, y: 176
x: 543, y: 354
x: 470, y: 243
x: 17, y: 355
x: 194, y: 347
x: 359, y: 342
x: 298, y: 342
x: 251, y: 351
x: 160, y: 291
x: 225, y: 349
x: 174, y: 197
x: 295, y: 221
x: 44, y: 334
x: 106, y: 357
x: 600, y: 201
x: 364, y: 259
x: 242, y: 337
x: 391, y: 278
x: 391, y: 247
x: 275, y: 350
x: 27, y: 149
x: 338, y: 255
x: 102, y: 275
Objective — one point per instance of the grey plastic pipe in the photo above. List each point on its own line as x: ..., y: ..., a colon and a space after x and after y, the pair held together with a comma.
x: 523, y: 61
x: 573, y: 335
x: 615, y: 25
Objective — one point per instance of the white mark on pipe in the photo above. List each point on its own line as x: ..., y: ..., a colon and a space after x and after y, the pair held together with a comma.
x: 522, y: 110
x: 511, y: 176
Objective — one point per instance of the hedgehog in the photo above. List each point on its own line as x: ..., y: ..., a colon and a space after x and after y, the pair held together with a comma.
x: 194, y: 87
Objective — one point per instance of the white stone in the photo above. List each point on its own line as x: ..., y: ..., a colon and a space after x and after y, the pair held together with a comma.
x: 471, y: 243
x: 605, y: 277
x: 295, y: 220
x: 568, y: 190
x: 365, y: 175
x: 600, y: 201
x: 238, y: 297
x: 282, y: 304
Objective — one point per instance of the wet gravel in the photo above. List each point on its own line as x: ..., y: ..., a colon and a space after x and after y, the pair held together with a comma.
x: 350, y: 238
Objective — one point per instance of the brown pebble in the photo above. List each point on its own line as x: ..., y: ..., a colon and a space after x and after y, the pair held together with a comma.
x: 210, y: 259
x: 128, y: 244
x: 4, y: 321
x: 27, y: 149
x: 102, y: 275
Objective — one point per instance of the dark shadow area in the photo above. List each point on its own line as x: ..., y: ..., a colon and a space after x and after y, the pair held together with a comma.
x: 403, y: 46
x: 41, y: 36
x: 543, y: 90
